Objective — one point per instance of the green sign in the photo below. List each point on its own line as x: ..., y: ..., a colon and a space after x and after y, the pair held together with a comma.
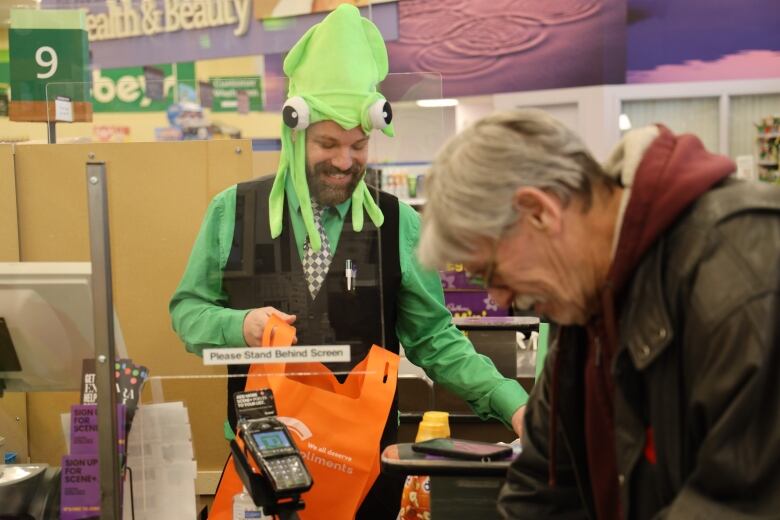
x: 5, y: 71
x: 48, y: 48
x: 124, y: 90
x: 225, y: 92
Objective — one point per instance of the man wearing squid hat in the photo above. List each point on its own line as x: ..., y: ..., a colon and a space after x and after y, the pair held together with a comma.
x: 319, y: 248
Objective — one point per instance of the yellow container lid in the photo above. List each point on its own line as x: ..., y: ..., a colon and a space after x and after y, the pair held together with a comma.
x: 434, y: 425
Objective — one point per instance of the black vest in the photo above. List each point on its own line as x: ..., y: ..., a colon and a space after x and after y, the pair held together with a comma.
x: 262, y: 271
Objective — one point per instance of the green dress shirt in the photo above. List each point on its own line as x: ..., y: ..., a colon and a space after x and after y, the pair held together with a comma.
x: 424, y: 325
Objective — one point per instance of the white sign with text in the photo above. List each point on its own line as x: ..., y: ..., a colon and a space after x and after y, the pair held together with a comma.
x: 295, y: 354
x: 63, y: 109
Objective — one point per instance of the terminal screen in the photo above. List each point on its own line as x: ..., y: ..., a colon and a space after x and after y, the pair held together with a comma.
x: 271, y: 440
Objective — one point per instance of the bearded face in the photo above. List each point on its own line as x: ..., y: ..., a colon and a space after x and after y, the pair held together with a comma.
x: 330, y: 186
x: 335, y: 161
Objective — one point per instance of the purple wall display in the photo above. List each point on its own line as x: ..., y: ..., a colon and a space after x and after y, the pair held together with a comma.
x: 702, y: 40
x: 262, y: 37
x: 463, y: 304
x: 395, y: 87
x: 489, y: 46
x: 457, y: 280
x: 275, y: 82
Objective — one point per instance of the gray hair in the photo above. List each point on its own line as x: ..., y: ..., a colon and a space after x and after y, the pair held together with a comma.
x: 477, y: 172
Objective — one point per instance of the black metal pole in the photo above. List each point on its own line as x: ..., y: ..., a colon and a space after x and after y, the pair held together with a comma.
x: 102, y: 300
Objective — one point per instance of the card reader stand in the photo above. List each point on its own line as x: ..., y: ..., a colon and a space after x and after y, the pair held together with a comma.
x: 261, y: 491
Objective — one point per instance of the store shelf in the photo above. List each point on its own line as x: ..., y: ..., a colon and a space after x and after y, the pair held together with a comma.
x: 768, y: 148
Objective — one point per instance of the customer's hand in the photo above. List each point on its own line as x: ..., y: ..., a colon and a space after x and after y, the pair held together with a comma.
x: 517, y: 421
x: 254, y: 324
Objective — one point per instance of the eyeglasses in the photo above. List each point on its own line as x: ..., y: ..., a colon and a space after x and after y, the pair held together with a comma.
x: 482, y: 280
x: 485, y: 278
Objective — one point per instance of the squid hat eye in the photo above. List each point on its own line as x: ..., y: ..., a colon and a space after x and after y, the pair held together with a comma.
x: 295, y: 113
x: 380, y: 113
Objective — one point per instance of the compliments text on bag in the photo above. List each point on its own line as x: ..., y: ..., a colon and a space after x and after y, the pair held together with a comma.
x: 327, y: 457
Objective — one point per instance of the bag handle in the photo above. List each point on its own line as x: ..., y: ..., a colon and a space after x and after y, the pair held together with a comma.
x: 277, y: 332
x: 382, y: 370
x: 381, y: 365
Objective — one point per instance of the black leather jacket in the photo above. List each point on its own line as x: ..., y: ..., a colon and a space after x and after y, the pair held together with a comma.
x: 698, y: 362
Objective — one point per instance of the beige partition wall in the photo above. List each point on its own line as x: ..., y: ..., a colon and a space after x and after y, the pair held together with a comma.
x: 158, y: 193
x: 9, y: 232
x: 13, y: 406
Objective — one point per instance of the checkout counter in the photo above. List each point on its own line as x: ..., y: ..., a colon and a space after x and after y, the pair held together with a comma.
x: 513, y: 344
x: 462, y: 489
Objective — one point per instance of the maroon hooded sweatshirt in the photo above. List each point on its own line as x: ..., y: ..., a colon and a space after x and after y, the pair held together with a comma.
x: 673, y: 173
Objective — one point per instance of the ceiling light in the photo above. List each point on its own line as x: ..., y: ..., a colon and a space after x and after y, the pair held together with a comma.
x: 624, y: 123
x: 443, y: 102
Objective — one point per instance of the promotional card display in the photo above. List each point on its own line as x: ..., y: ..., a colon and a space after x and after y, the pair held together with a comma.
x: 84, y: 429
x: 88, y: 382
x: 255, y: 404
x: 80, y: 477
x: 80, y: 490
x: 128, y: 379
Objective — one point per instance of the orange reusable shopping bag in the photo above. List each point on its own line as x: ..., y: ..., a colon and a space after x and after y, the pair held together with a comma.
x: 337, y: 427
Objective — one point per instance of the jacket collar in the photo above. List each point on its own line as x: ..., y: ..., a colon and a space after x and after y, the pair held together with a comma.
x: 652, y: 331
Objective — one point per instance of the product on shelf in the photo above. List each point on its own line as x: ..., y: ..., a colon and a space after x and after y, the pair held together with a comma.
x: 768, y: 148
x: 404, y: 180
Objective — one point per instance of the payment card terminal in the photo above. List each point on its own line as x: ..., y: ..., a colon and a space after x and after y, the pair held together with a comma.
x: 269, y: 443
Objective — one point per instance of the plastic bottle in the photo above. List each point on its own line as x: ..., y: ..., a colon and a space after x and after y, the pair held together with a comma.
x: 244, y: 507
x: 416, y: 497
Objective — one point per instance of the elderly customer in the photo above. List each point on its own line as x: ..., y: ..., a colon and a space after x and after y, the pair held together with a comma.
x: 661, y: 394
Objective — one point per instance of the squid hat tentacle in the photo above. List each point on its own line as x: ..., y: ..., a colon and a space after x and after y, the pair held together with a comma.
x: 333, y: 71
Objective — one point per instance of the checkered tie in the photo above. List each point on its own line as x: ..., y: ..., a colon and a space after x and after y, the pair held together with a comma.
x: 316, y: 263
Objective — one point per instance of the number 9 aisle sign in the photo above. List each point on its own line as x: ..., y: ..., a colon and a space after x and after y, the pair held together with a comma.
x: 48, y: 47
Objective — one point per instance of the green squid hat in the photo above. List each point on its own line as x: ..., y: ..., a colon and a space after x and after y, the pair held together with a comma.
x: 333, y: 70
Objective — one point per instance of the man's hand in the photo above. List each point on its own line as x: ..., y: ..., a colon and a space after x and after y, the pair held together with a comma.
x: 254, y: 324
x: 517, y: 421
